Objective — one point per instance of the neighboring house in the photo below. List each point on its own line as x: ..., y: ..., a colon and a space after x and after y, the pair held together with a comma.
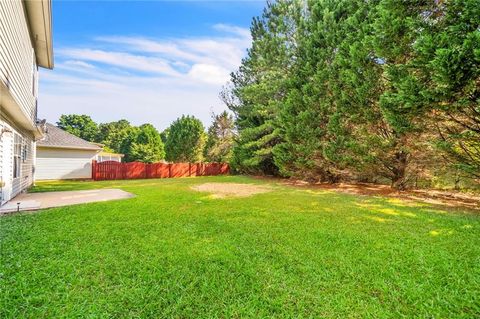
x: 25, y: 44
x: 107, y: 156
x: 61, y: 155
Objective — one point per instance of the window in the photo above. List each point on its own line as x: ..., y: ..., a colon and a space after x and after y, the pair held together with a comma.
x: 24, y: 152
x: 17, y: 155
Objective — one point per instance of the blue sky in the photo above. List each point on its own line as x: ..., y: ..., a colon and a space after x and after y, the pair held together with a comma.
x: 144, y: 61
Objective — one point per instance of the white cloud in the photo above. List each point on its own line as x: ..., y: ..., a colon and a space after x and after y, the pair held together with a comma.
x: 143, y: 80
x: 77, y: 64
x: 225, y: 51
x: 138, y: 99
x: 209, y: 73
x: 139, y: 44
x: 121, y: 59
x: 245, y: 33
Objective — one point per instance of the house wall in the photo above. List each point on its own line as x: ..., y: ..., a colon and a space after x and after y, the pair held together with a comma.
x: 104, y: 158
x: 59, y: 163
x: 10, y: 186
x: 18, y: 71
x: 18, y: 92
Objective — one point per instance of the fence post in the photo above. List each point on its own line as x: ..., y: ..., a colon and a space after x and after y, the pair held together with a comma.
x: 94, y: 168
x: 169, y: 170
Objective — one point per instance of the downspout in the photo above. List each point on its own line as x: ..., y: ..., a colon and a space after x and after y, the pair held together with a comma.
x: 34, y: 166
x: 39, y: 134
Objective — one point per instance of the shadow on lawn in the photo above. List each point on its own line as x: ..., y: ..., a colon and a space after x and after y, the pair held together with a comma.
x: 451, y: 200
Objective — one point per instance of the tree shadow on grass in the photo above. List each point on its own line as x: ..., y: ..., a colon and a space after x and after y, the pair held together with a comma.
x: 443, y: 200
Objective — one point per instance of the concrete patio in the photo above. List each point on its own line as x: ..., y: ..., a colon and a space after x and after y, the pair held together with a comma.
x: 35, y: 201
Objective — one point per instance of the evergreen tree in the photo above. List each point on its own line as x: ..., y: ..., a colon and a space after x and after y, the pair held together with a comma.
x: 313, y: 117
x: 446, y: 65
x: 354, y: 89
x: 260, y: 85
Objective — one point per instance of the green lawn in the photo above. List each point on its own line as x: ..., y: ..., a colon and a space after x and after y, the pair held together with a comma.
x: 172, y: 252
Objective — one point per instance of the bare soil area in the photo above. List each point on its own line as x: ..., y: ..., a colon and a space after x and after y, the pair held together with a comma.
x: 221, y: 190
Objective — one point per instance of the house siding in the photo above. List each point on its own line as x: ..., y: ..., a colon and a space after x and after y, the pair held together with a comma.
x: 18, y: 71
x: 26, y: 171
x: 59, y: 163
x: 19, y: 88
x: 14, y: 186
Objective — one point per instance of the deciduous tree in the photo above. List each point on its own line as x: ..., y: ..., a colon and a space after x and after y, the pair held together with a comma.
x: 79, y: 125
x: 220, y: 136
x: 147, y: 146
x: 186, y: 140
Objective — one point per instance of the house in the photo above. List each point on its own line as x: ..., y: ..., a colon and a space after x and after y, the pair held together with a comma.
x: 25, y: 45
x: 61, y: 155
x: 104, y: 156
x: 107, y: 156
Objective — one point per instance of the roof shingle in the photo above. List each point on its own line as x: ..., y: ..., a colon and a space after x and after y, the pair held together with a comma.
x: 56, y: 137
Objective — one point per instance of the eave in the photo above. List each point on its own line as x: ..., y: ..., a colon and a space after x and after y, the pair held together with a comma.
x: 70, y: 148
x: 39, y: 14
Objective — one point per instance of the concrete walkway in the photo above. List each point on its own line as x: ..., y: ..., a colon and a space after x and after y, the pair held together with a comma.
x: 36, y: 201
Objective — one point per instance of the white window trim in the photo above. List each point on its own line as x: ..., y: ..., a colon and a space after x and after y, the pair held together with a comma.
x: 18, y: 145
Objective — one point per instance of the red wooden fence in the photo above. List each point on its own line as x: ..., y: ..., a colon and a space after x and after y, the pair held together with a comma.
x: 135, y: 170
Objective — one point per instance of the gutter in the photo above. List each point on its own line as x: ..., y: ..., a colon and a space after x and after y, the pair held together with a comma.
x: 70, y: 147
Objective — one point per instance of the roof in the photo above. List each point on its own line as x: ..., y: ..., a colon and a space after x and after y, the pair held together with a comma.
x: 39, y: 14
x: 57, y: 138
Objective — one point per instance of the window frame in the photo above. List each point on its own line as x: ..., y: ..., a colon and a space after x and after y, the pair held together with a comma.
x: 18, y: 143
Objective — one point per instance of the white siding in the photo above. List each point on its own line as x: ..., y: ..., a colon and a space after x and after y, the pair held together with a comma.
x: 6, y: 176
x: 104, y: 158
x: 17, y: 69
x: 57, y: 163
x: 13, y: 186
x: 26, y: 174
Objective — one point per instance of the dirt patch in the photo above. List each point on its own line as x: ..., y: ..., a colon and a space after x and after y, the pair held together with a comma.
x: 221, y: 190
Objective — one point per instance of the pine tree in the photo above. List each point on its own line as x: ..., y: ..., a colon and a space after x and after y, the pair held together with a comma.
x: 447, y: 64
x: 260, y: 85
x: 334, y: 84
x: 363, y: 90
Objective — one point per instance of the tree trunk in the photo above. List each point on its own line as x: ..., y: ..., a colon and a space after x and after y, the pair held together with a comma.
x: 399, y: 171
x: 457, y: 180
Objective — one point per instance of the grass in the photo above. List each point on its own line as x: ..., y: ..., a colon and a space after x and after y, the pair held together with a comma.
x: 171, y: 252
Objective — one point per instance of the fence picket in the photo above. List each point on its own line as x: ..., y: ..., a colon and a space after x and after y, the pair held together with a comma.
x: 111, y: 170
